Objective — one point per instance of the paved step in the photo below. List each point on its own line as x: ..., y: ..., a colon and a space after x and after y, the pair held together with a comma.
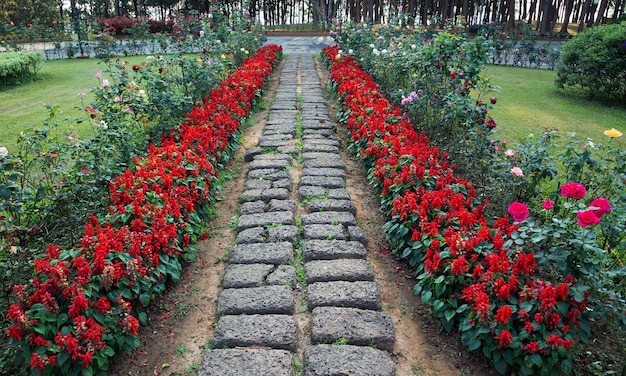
x: 325, y: 360
x: 356, y: 326
x: 358, y: 294
x: 333, y: 250
x: 274, y: 331
x: 246, y: 362
x: 264, y: 300
x: 338, y: 270
x: 262, y: 253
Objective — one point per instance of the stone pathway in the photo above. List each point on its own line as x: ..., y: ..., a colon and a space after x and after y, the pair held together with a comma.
x: 299, y: 294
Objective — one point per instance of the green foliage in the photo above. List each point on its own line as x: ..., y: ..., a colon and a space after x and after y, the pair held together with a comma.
x: 18, y: 67
x: 595, y: 62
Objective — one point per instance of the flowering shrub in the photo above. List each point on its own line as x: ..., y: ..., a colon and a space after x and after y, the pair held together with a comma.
x: 483, y: 278
x: 86, y: 303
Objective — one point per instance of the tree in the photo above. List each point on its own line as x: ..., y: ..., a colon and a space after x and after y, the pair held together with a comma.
x: 29, y: 11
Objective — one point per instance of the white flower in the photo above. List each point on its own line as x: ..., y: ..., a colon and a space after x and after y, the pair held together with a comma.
x: 351, y: 51
x: 509, y: 153
x: 149, y: 57
x: 372, y: 45
x: 3, y: 152
x: 384, y: 51
x: 413, y: 46
x: 376, y: 52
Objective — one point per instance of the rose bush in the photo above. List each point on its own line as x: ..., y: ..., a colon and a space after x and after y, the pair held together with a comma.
x: 485, y: 278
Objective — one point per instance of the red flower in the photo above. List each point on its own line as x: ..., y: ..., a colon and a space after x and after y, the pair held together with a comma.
x: 504, y: 339
x: 518, y: 211
x: 573, y: 190
x: 503, y: 314
x: 459, y: 266
x: 587, y: 218
x: 600, y: 206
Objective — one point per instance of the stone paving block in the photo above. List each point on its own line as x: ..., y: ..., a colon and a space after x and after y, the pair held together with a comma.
x: 282, y: 205
x: 272, y: 156
x: 284, y: 129
x: 324, y: 172
x: 246, y: 275
x: 306, y: 191
x: 251, y: 153
x: 288, y: 149
x: 313, y: 136
x: 323, y: 232
x: 358, y: 294
x: 342, y: 218
x: 252, y: 207
x: 311, y: 148
x: 251, y: 195
x: 338, y: 194
x: 333, y: 250
x: 251, y: 235
x: 322, y: 132
x: 274, y: 194
x: 282, y: 183
x: 256, y: 300
x: 323, y: 181
x: 331, y: 205
x: 320, y: 155
x: 278, y: 137
x: 321, y: 141
x: 275, y: 143
x: 356, y: 233
x: 273, y: 331
x: 246, y: 362
x: 283, y: 275
x: 262, y: 253
x: 263, y: 219
x: 283, y: 233
x: 259, y: 164
x: 257, y: 184
x: 358, y: 326
x: 325, y: 163
x: 269, y: 174
x: 326, y: 360
x: 338, y: 270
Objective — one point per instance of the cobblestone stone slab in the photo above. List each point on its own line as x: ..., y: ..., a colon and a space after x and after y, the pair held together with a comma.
x: 325, y: 163
x: 283, y: 129
x: 251, y: 235
x: 331, y: 205
x: 334, y: 360
x: 263, y: 219
x: 356, y: 233
x: 358, y: 294
x: 338, y: 270
x: 306, y: 191
x: 272, y: 157
x: 280, y: 105
x: 283, y: 275
x: 320, y: 141
x: 320, y: 156
x: 338, y: 194
x: 282, y: 205
x: 314, y: 136
x: 253, y: 207
x: 342, y: 218
x: 246, y: 362
x: 323, y: 232
x: 262, y: 253
x: 272, y: 174
x: 257, y: 184
x: 288, y: 149
x: 250, y: 154
x: 246, y: 275
x: 265, y: 164
x: 275, y: 143
x: 323, y: 181
x: 320, y: 132
x: 282, y: 183
x: 273, y: 331
x: 283, y: 234
x: 274, y: 194
x: 282, y: 136
x: 324, y: 172
x: 306, y: 148
x: 276, y: 299
x: 358, y: 326
x: 333, y: 250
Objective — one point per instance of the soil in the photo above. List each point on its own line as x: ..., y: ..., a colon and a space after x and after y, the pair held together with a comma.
x: 182, y: 320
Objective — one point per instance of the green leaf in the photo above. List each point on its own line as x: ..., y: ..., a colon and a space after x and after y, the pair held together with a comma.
x: 426, y: 296
x: 472, y: 343
x: 62, y: 358
x: 143, y: 318
x: 536, y: 238
x: 501, y: 366
x: 438, y: 304
x: 566, y: 366
x: 449, y: 314
x: 144, y: 298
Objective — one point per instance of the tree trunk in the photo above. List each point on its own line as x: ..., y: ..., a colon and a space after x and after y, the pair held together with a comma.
x: 601, y: 11
x: 568, y: 12
x: 545, y: 16
x: 583, y: 14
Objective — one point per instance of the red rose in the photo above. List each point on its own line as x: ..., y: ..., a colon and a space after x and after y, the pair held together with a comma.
x: 518, y: 211
x: 573, y: 190
x: 602, y: 205
x: 587, y: 218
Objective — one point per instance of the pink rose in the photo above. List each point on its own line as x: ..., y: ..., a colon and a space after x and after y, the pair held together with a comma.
x: 600, y: 206
x: 547, y: 204
x: 105, y: 83
x: 518, y: 211
x: 587, y: 218
x: 98, y: 75
x: 517, y: 171
x: 573, y: 190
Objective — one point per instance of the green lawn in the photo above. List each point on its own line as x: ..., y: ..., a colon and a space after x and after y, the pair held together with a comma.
x: 530, y: 102
x: 59, y: 83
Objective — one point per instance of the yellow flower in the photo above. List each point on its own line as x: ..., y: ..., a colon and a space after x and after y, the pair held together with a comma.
x: 223, y: 56
x: 613, y: 133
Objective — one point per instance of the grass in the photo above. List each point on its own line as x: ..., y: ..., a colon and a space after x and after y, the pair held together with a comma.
x: 530, y: 103
x: 58, y: 83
